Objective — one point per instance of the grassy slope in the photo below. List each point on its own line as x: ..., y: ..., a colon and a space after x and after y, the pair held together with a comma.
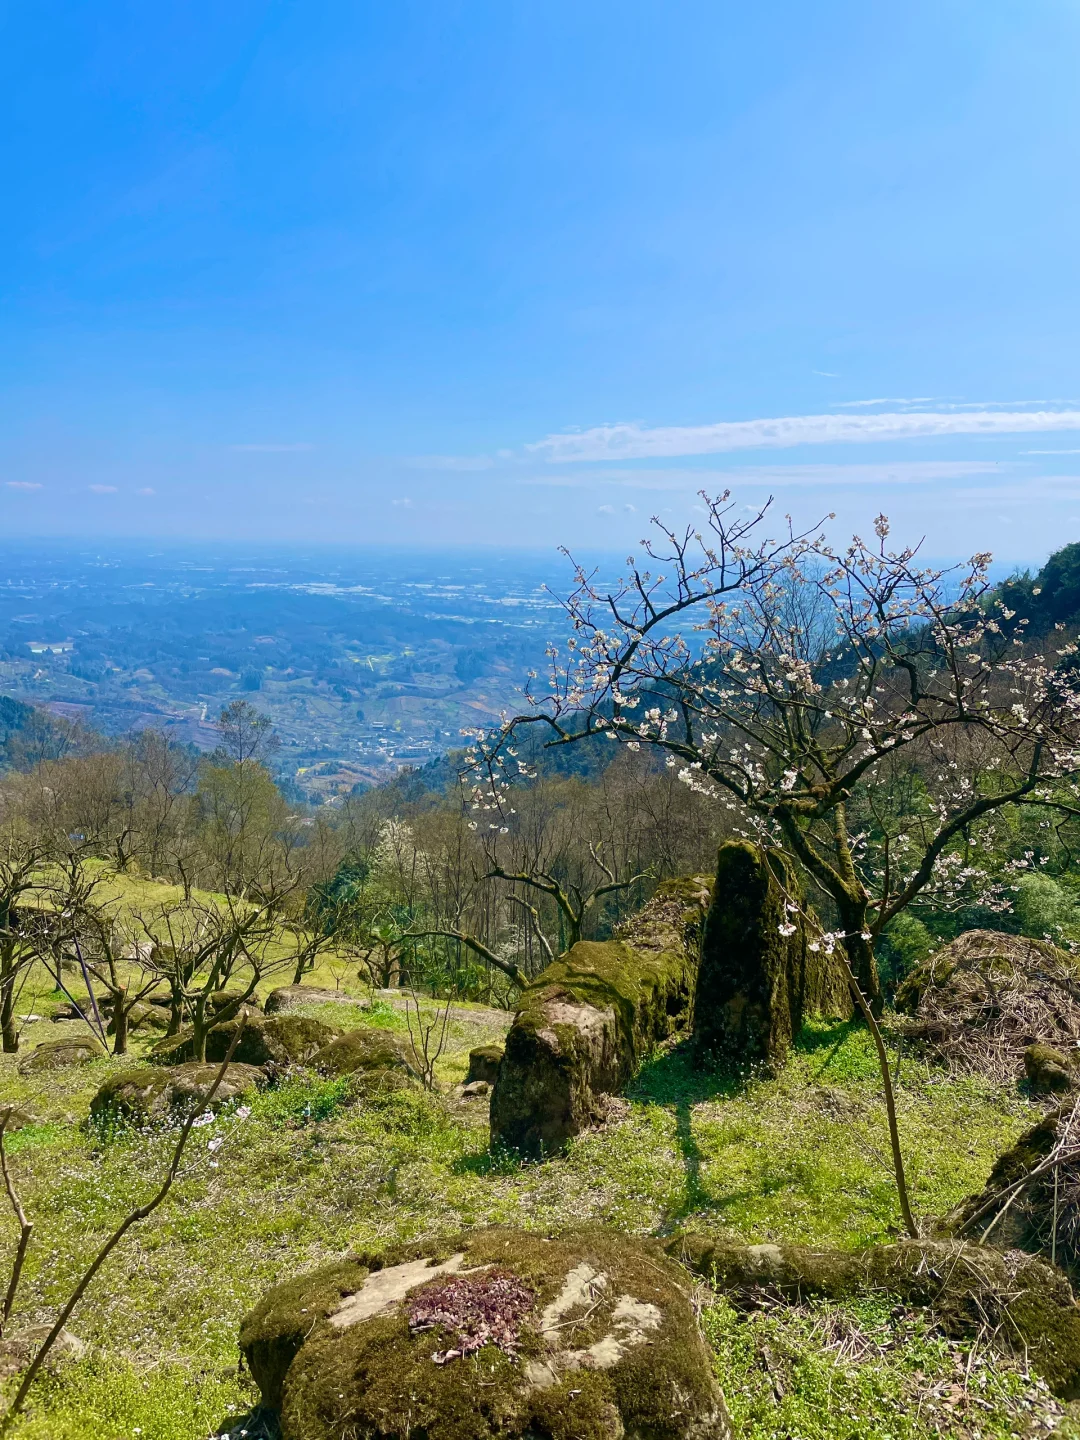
x: 310, y: 1173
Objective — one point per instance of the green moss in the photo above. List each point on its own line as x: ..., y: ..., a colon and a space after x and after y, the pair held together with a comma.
x: 756, y: 982
x: 1025, y: 1305
x: 375, y: 1378
x: 365, y: 1050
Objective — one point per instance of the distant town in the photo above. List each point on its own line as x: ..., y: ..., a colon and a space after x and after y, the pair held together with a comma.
x: 366, y: 662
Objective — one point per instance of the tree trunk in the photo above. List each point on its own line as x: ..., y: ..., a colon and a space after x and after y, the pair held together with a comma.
x: 860, y: 953
x: 120, y: 1020
x: 8, y: 1027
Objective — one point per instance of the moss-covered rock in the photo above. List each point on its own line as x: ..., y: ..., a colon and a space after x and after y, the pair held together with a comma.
x: 150, y: 1094
x: 586, y: 1023
x: 756, y: 982
x: 1048, y: 1070
x: 484, y: 1062
x: 587, y: 1336
x: 1025, y: 1304
x: 58, y: 1054
x: 367, y: 1049
x: 265, y: 1040
x: 142, y: 1017
x: 248, y: 1004
x: 271, y: 1039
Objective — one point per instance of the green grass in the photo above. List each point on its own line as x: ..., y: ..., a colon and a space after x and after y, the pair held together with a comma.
x: 314, y: 1171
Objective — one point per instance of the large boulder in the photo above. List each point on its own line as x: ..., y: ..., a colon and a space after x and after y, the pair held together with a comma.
x: 759, y: 977
x: 288, y: 997
x: 484, y: 1062
x: 265, y: 1040
x: 366, y: 1051
x: 58, y: 1054
x: 150, y: 1094
x: 1020, y: 1303
x: 978, y: 1003
x: 498, y: 1333
x: 587, y: 1021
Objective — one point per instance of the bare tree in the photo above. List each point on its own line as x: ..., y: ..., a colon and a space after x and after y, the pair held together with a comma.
x: 24, y: 927
x: 779, y: 678
x: 195, y: 948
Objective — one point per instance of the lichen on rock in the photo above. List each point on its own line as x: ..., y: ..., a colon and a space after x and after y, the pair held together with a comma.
x: 586, y: 1023
x: 366, y: 1050
x: 586, y: 1336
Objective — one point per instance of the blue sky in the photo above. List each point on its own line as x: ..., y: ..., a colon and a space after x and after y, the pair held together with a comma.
x: 527, y: 273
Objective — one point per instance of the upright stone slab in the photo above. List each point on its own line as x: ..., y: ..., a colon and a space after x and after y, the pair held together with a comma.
x: 756, y: 983
x: 586, y: 1023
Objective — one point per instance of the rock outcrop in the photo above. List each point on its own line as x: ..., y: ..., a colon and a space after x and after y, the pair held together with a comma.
x: 497, y: 1333
x: 1024, y: 1304
x: 587, y: 1021
x: 150, y: 1094
x: 758, y: 977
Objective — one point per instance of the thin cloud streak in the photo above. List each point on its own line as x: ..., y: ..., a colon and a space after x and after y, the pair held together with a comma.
x: 635, y: 442
x: 896, y: 472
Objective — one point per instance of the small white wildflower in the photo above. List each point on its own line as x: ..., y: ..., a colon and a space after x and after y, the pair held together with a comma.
x: 243, y: 1112
x: 206, y: 1118
x: 216, y: 1143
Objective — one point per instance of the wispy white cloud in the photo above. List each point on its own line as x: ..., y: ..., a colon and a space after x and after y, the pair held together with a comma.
x: 888, y: 400
x: 271, y: 448
x: 146, y: 490
x: 22, y: 485
x: 828, y: 374
x: 635, y: 442
x: 1050, y: 452
x: 896, y: 472
x: 102, y: 489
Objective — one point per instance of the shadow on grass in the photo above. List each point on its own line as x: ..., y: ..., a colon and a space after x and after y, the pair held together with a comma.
x: 672, y: 1082
x: 496, y: 1161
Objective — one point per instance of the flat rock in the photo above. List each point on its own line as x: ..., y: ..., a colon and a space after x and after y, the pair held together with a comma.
x: 16, y: 1351
x: 151, y: 1093
x: 588, y: 1335
x: 288, y: 997
x: 58, y: 1054
x: 14, y: 1117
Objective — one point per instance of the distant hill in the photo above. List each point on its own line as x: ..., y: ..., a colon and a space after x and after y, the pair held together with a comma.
x: 29, y: 734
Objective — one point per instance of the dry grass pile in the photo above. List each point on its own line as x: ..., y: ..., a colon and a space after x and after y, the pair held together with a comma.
x: 1031, y: 1200
x: 981, y: 1001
